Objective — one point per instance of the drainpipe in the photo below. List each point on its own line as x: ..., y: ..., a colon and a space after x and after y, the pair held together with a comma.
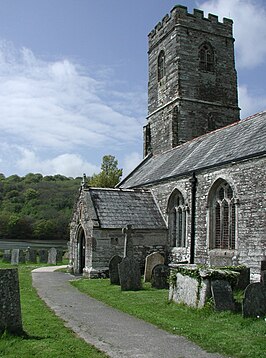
x: 193, y: 182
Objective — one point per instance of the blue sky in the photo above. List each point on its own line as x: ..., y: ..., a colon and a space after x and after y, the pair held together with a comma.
x: 73, y: 78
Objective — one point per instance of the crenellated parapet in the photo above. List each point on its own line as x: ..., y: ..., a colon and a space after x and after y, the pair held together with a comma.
x: 179, y: 16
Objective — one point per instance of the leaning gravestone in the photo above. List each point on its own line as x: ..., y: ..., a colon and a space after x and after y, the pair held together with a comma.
x: 7, y: 256
x: 150, y: 262
x: 160, y: 275
x: 113, y: 269
x: 222, y: 295
x: 10, y: 308
x: 43, y: 256
x: 129, y: 274
x: 52, y: 256
x: 254, y: 302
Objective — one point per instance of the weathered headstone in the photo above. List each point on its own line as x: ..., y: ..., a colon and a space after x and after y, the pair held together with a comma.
x: 43, y: 256
x: 113, y: 269
x: 243, y: 279
x: 59, y: 256
x: 222, y: 295
x: 254, y: 302
x: 160, y: 275
x: 150, y: 262
x: 31, y: 255
x: 52, y: 256
x: 17, y: 257
x: 128, y: 269
x: 129, y: 274
x: 10, y: 308
x: 263, y: 265
x: 7, y: 256
x: 263, y: 278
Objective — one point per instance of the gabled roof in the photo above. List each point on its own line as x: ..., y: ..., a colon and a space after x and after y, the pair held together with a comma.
x: 116, y: 208
x: 236, y: 142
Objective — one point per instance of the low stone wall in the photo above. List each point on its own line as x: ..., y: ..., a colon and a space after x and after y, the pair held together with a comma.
x: 10, y: 308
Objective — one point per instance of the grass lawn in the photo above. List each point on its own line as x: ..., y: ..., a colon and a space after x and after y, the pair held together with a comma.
x: 47, y: 335
x: 225, y: 332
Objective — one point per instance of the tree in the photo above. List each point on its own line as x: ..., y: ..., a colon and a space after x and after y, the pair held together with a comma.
x: 110, y: 174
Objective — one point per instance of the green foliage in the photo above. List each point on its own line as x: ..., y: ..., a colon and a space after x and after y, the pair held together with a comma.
x: 36, y: 207
x: 109, y: 176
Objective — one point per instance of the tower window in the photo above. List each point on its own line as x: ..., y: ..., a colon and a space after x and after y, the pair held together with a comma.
x: 206, y: 58
x: 177, y: 219
x: 223, y: 217
x: 161, y: 65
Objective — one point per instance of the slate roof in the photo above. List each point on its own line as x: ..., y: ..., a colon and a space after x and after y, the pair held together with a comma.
x: 238, y: 141
x: 116, y: 208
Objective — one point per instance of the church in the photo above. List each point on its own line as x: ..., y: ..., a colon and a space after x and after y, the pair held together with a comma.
x: 199, y: 194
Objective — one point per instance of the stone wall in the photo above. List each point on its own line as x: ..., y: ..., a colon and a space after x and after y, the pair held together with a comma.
x: 247, y: 179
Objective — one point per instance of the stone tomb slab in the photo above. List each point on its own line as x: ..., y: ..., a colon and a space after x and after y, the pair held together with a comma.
x: 113, y: 269
x: 222, y: 295
x: 129, y: 274
x: 150, y: 262
x: 254, y: 302
x: 10, y: 316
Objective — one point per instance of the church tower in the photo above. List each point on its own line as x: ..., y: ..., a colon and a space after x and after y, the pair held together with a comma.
x: 192, y: 85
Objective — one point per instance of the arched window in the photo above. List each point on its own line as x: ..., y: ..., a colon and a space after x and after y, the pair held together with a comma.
x: 177, y: 219
x: 161, y: 65
x: 222, y: 216
x: 206, y: 57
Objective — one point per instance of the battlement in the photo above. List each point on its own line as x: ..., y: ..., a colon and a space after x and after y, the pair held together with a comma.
x: 180, y: 15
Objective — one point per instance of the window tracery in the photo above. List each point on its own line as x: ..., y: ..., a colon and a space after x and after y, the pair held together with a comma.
x: 206, y: 58
x: 177, y: 219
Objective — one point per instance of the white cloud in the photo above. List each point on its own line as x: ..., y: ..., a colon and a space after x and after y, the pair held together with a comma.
x: 130, y: 162
x: 57, y: 107
x: 249, y: 27
x: 64, y: 164
x: 250, y: 103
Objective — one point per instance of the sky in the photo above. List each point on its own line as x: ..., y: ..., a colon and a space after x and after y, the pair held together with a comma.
x: 73, y: 78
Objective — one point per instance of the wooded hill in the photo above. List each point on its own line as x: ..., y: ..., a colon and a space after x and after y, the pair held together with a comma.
x: 36, y: 207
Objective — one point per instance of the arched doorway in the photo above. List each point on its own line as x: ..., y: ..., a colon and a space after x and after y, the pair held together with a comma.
x: 81, y: 250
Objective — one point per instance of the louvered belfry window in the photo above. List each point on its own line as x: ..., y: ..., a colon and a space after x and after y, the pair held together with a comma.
x: 206, y: 58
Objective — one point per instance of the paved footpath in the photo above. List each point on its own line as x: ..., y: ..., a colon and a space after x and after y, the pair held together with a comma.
x: 113, y: 332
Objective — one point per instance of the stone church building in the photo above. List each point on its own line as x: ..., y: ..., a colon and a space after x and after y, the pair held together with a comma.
x: 199, y: 194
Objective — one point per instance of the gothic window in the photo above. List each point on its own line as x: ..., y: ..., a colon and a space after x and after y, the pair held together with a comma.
x: 222, y: 217
x: 177, y: 220
x: 206, y: 58
x: 161, y: 65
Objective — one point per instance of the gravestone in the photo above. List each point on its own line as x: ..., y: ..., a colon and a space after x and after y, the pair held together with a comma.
x: 263, y: 265
x: 10, y: 312
x: 17, y: 257
x: 7, y: 256
x: 254, y: 302
x: 52, y: 256
x: 222, y: 295
x: 43, y: 256
x: 160, y: 275
x: 129, y: 274
x: 59, y: 256
x: 243, y: 279
x: 128, y: 269
x: 31, y: 255
x: 150, y: 262
x: 113, y: 269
